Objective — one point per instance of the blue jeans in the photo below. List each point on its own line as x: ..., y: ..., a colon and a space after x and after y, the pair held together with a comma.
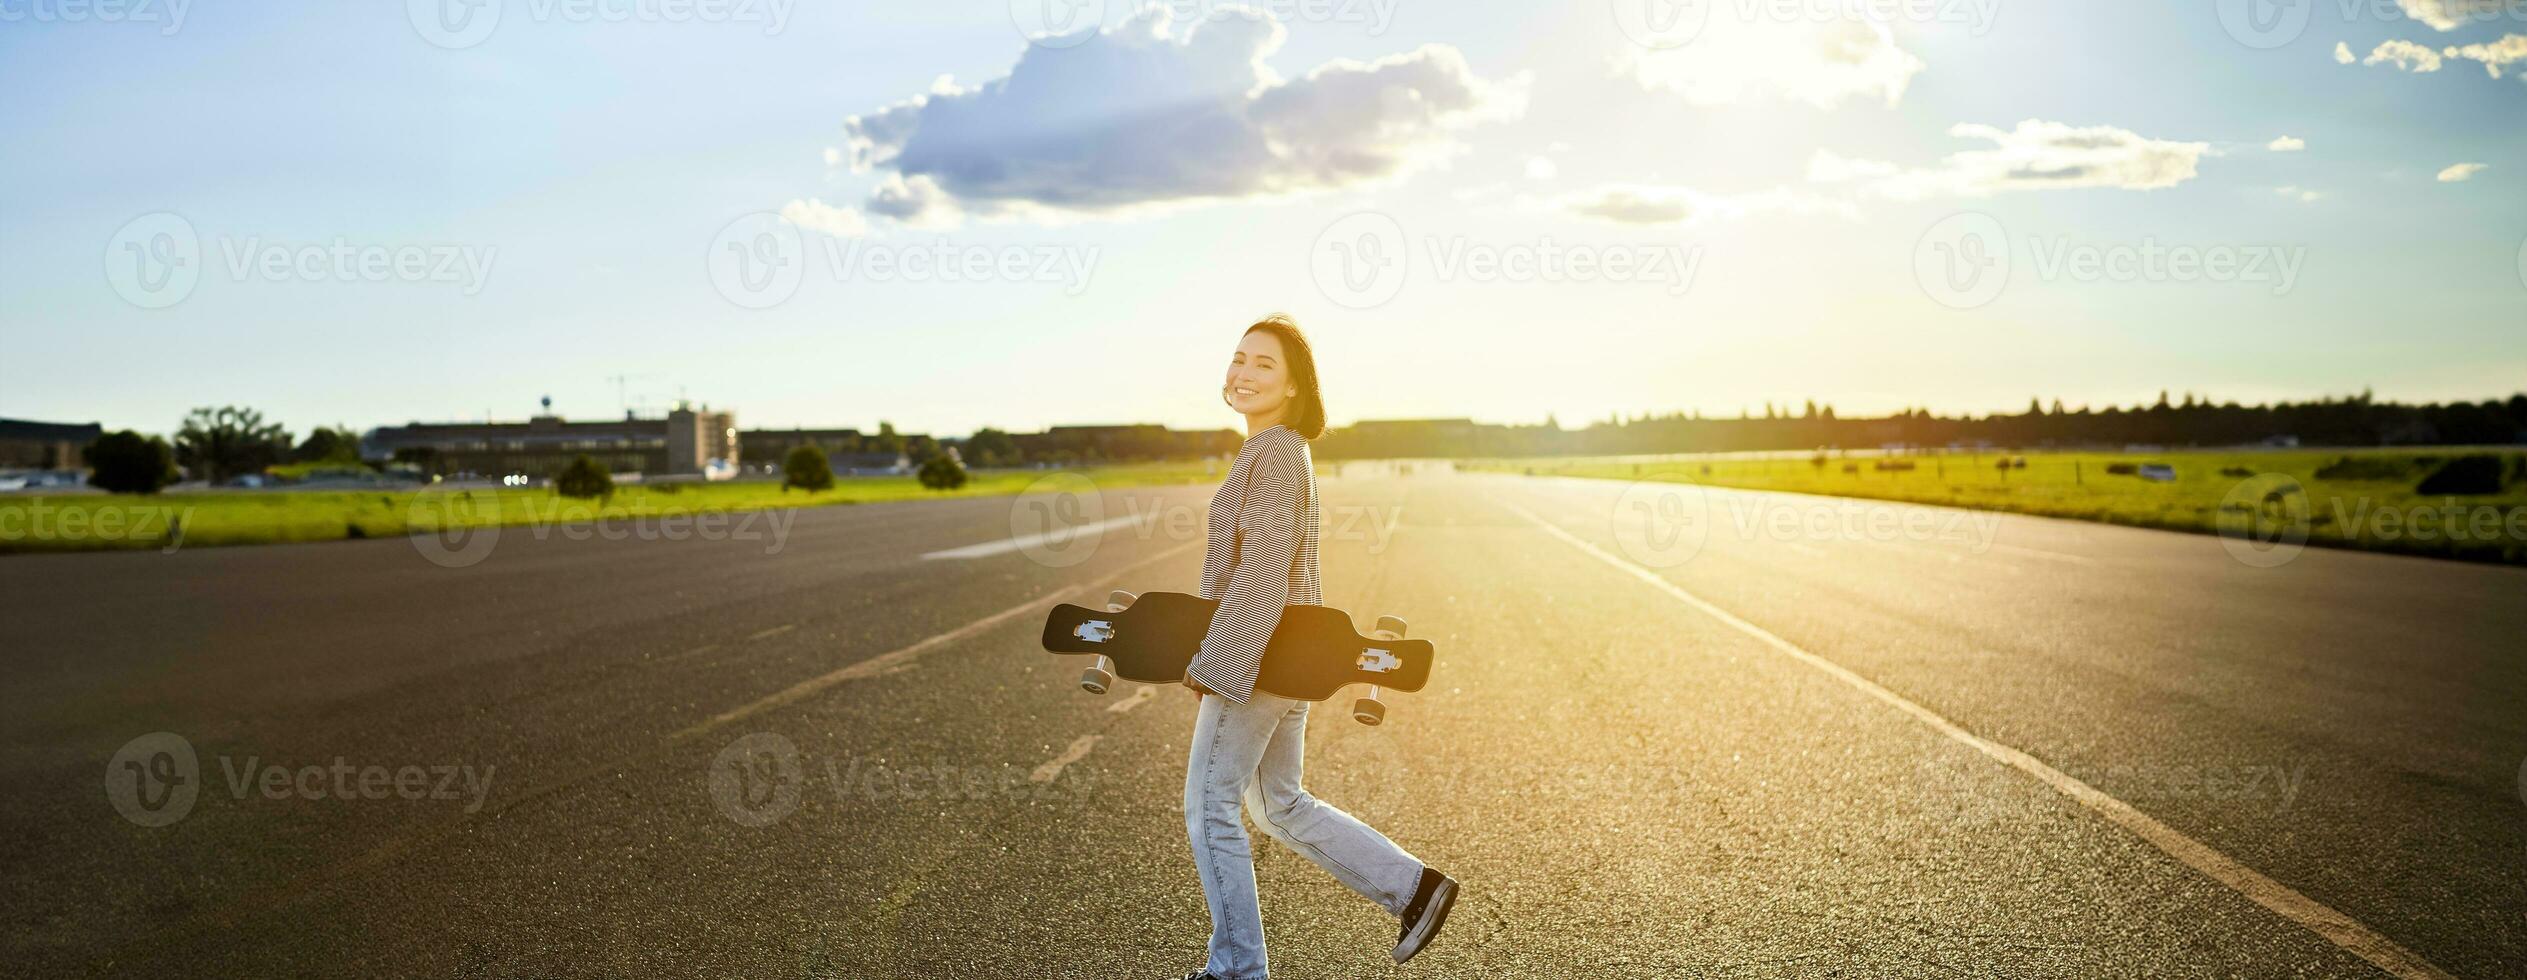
x: 1250, y: 754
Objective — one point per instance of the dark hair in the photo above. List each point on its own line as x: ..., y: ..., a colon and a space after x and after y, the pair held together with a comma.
x: 1306, y: 412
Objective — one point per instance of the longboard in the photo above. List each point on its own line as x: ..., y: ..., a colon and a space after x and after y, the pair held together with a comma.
x: 1314, y: 653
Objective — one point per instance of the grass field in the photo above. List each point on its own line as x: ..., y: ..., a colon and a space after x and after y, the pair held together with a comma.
x: 97, y: 522
x: 2343, y: 498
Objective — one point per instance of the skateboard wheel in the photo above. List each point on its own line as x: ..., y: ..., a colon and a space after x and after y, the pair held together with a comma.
x: 1119, y: 600
x: 1368, y: 711
x: 1391, y: 624
x: 1096, y: 680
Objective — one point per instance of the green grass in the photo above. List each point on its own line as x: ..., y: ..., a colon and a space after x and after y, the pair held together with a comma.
x: 97, y: 522
x: 2346, y: 498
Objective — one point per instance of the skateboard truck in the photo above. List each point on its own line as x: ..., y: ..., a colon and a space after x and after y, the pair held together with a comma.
x: 1370, y: 710
x: 1099, y: 677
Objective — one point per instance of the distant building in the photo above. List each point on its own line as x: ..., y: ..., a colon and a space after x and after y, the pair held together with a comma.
x: 1090, y: 443
x: 769, y: 447
x: 45, y: 445
x: 683, y: 442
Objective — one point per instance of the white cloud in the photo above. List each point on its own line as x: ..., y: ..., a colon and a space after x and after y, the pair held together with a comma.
x: 816, y: 215
x: 1137, y: 116
x: 2343, y: 54
x: 2299, y: 194
x: 2405, y: 55
x: 2286, y: 144
x: 2495, y: 56
x: 2462, y: 171
x: 833, y: 156
x: 2448, y: 15
x: 1654, y: 204
x: 917, y: 202
x: 1819, y: 61
x: 1542, y: 168
x: 2037, y: 155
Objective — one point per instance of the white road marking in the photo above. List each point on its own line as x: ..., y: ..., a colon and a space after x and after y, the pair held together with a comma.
x: 775, y: 631
x: 1137, y: 699
x: 2340, y: 929
x: 889, y: 662
x: 1078, y: 750
x: 1007, y: 545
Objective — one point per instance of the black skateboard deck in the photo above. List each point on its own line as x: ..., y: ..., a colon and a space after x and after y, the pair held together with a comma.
x: 1314, y: 652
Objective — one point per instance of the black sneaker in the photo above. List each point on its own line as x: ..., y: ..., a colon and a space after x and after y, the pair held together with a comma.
x: 1428, y: 911
x: 1200, y: 975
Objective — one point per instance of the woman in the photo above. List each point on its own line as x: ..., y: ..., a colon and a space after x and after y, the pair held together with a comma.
x: 1246, y: 743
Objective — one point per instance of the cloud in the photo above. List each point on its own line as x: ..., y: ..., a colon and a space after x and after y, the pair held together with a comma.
x: 1819, y: 61
x: 2299, y: 194
x: 1137, y: 116
x: 2036, y: 155
x: 2448, y: 15
x: 2462, y: 171
x: 1542, y: 168
x: 2286, y: 144
x: 2343, y: 54
x: 2495, y: 56
x: 2405, y: 55
x: 816, y: 215
x: 1653, y: 204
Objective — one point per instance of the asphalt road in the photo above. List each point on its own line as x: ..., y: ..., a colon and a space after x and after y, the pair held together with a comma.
x: 1672, y: 733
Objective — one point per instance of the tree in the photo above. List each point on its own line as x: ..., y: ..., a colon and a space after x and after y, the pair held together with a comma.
x: 128, y: 462
x: 992, y: 447
x: 218, y: 443
x: 887, y: 441
x: 943, y: 472
x: 584, y: 478
x: 328, y: 445
x: 807, y: 469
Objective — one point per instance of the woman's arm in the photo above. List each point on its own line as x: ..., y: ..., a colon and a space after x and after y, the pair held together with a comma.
x: 1267, y: 531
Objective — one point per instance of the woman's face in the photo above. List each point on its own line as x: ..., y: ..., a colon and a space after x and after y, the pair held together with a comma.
x: 1258, y: 376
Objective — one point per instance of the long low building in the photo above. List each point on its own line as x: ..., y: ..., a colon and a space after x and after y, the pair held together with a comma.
x: 45, y: 445
x: 685, y: 441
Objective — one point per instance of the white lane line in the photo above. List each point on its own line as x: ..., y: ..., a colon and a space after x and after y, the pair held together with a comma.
x: 1137, y: 699
x: 775, y: 631
x: 1059, y: 539
x: 891, y: 661
x: 2060, y: 556
x: 1078, y: 750
x: 2340, y: 929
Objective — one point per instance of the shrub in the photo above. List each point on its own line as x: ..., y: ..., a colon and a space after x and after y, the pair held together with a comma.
x: 2378, y: 468
x: 943, y: 472
x: 128, y: 462
x: 807, y: 469
x: 2464, y: 475
x: 583, y: 478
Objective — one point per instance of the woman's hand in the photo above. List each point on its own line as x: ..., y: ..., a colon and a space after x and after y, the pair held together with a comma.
x: 1196, y: 687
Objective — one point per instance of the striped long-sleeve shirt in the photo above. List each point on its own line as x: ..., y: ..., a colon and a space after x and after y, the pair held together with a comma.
x: 1261, y: 556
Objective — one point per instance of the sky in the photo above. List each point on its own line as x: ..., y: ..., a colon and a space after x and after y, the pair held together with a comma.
x: 951, y: 215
